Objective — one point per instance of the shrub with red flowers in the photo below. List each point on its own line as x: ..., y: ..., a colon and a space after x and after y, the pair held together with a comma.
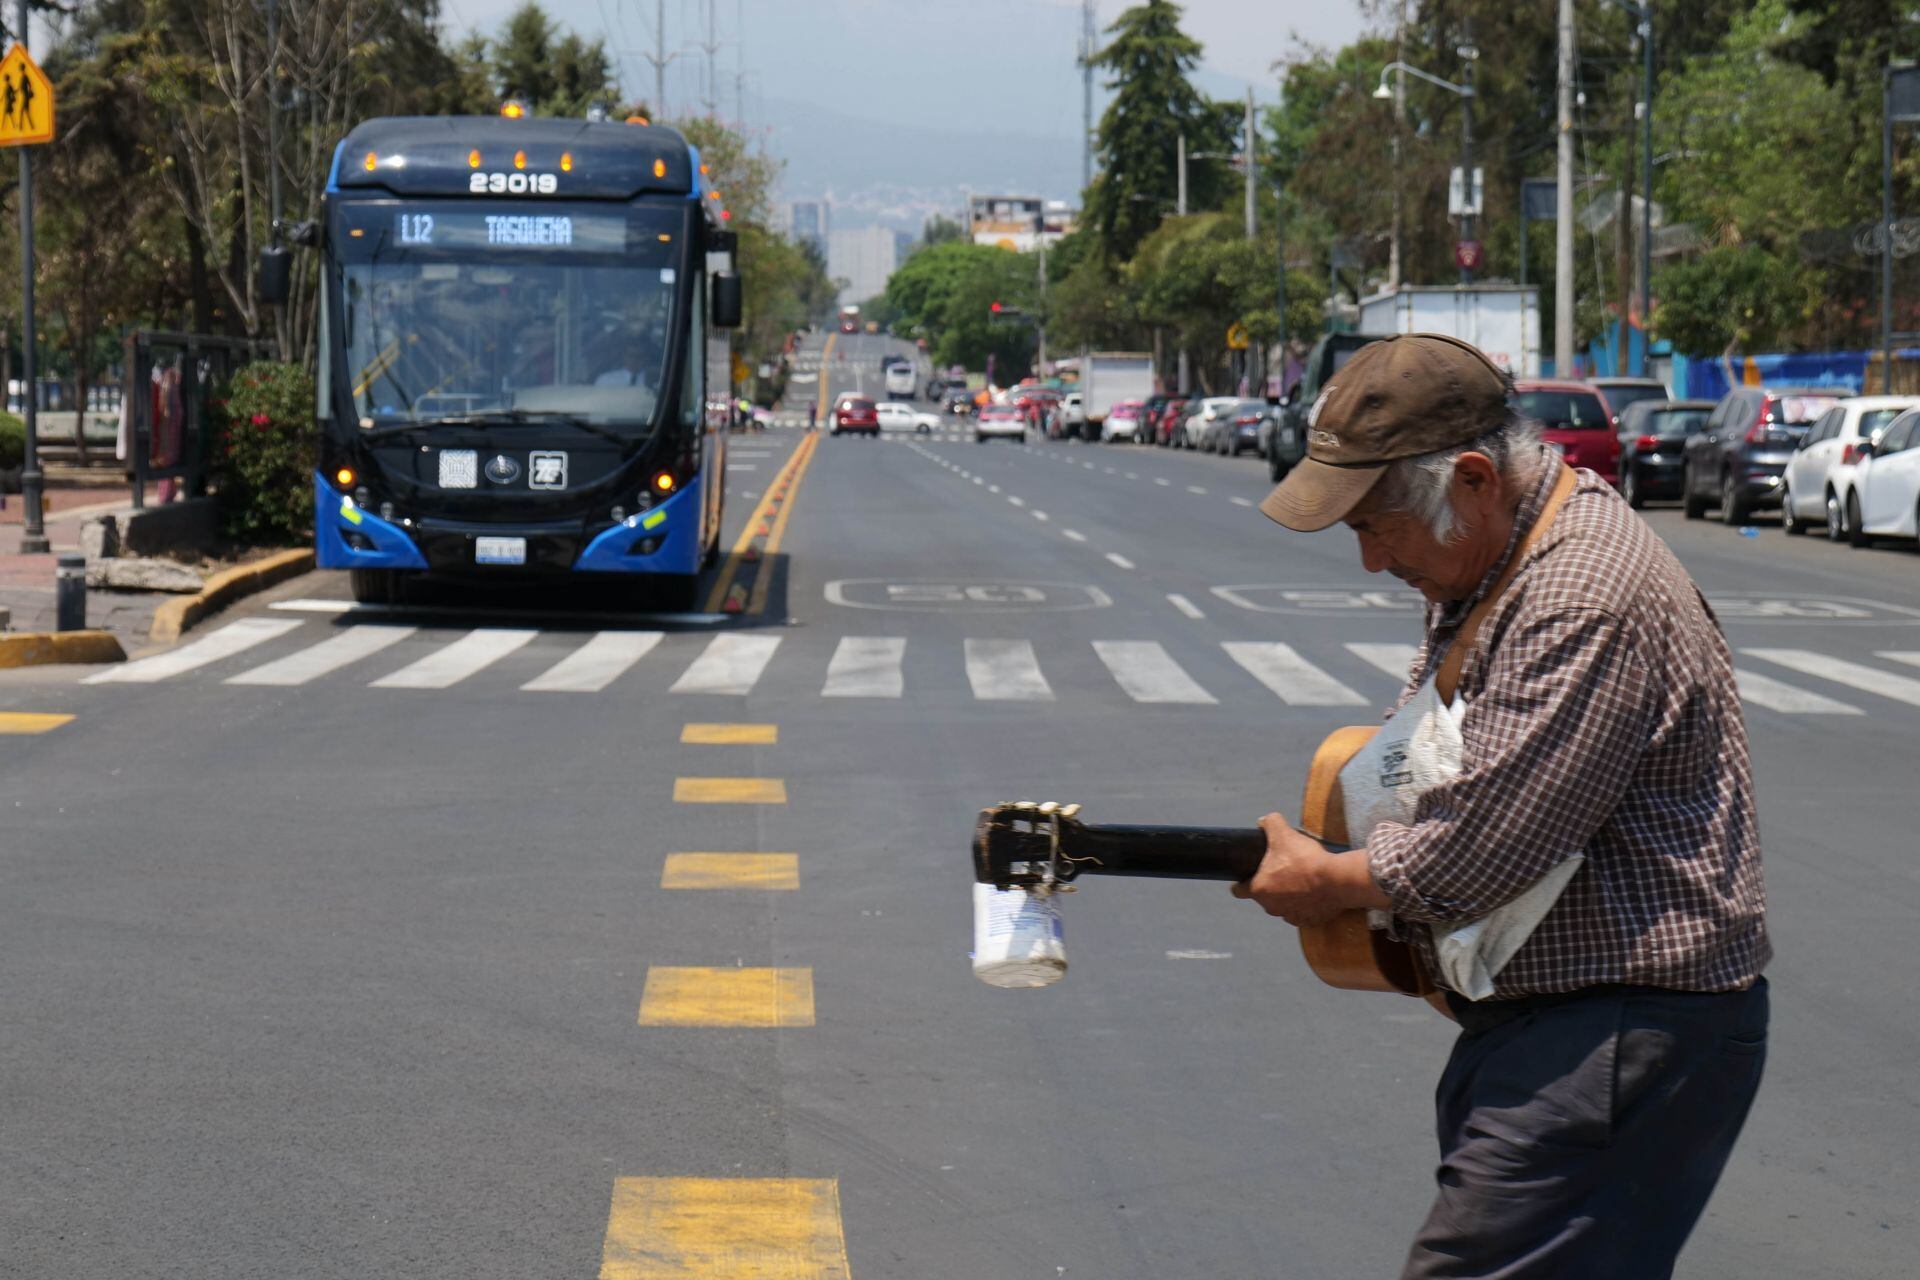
x: 266, y: 454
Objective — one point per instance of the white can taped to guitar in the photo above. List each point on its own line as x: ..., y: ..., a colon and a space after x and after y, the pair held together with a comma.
x: 1016, y: 937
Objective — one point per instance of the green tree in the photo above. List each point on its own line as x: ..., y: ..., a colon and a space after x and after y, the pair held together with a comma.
x: 1148, y: 59
x: 1734, y: 298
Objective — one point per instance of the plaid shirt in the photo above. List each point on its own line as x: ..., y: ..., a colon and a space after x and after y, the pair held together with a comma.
x: 1602, y: 717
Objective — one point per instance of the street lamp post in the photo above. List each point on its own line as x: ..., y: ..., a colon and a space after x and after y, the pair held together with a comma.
x: 1467, y: 95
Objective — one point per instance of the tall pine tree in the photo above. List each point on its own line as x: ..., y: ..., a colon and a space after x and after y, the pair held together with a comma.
x: 1148, y: 58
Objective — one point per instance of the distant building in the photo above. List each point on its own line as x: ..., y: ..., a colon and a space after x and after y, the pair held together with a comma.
x: 1017, y: 222
x: 808, y: 220
x: 864, y: 259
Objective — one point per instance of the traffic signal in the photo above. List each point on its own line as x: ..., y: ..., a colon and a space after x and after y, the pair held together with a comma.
x: 995, y: 308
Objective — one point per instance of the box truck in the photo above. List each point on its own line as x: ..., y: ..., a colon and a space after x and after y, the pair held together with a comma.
x: 1502, y: 320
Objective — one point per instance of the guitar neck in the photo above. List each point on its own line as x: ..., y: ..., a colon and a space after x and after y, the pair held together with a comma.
x: 1165, y: 853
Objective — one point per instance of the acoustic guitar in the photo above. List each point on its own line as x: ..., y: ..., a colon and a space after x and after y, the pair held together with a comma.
x: 1029, y: 845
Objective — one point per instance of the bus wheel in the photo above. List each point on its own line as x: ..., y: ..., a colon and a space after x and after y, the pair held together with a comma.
x: 378, y: 586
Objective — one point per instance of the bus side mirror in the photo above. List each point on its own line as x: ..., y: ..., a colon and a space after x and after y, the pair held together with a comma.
x: 726, y: 301
x: 276, y: 275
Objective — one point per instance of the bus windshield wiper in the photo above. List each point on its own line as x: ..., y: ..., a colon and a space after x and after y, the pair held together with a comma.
x: 559, y: 419
x: 502, y: 415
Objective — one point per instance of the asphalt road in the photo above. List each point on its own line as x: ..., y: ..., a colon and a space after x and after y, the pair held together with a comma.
x: 327, y: 979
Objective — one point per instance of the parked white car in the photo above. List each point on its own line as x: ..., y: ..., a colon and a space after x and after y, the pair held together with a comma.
x: 1123, y: 421
x: 1883, y: 500
x: 1819, y: 477
x: 1193, y: 432
x: 895, y: 416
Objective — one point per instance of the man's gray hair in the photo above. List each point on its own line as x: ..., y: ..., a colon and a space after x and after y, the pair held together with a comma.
x: 1420, y: 486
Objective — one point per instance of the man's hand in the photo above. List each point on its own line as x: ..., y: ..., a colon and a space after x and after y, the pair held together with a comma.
x: 1302, y: 883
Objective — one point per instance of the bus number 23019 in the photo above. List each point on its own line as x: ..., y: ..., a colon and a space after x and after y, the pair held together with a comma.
x: 519, y: 184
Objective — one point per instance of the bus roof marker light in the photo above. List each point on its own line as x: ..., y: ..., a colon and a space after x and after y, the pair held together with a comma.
x: 514, y: 109
x: 659, y: 168
x: 372, y: 162
x: 519, y: 159
x: 566, y: 162
x: 638, y: 120
x: 473, y: 158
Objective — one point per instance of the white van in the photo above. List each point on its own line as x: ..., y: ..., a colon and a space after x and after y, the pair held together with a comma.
x: 901, y: 380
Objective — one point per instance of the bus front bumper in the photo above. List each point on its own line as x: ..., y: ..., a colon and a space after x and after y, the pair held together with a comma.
x: 664, y: 539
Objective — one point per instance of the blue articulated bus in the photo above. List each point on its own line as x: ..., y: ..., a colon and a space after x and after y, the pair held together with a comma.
x: 524, y: 370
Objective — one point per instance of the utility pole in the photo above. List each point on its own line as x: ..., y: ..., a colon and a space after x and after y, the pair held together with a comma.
x: 1180, y: 209
x: 712, y: 46
x: 1646, y: 188
x: 1563, y: 220
x: 1247, y: 162
x: 33, y: 533
x: 1469, y: 55
x: 1399, y: 127
x: 1088, y: 36
x: 660, y: 58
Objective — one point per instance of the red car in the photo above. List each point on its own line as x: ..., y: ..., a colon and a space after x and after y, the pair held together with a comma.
x: 856, y: 413
x: 1576, y: 422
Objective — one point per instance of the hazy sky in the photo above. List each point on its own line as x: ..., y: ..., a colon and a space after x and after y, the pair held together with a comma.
x: 990, y: 84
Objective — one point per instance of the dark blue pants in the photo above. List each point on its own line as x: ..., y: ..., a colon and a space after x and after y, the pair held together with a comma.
x: 1581, y: 1136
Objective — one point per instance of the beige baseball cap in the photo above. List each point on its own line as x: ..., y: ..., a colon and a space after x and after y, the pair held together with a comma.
x: 1396, y: 398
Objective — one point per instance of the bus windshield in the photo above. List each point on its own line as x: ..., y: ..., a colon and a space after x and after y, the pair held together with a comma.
x: 464, y: 311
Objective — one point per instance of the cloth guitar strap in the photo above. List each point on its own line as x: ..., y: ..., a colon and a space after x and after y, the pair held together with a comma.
x: 1448, y: 677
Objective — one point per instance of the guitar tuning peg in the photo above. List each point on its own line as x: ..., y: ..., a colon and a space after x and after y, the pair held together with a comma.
x: 1070, y: 811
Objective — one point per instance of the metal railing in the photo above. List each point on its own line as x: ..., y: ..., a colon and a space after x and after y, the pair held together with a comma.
x: 169, y: 381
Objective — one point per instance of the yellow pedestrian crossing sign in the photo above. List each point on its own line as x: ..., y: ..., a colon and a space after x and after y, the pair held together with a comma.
x: 26, y: 100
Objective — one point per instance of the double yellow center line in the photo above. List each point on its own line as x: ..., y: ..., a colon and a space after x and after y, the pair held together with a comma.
x: 769, y: 523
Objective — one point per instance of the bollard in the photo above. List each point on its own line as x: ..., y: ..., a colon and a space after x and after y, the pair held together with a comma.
x: 70, y: 593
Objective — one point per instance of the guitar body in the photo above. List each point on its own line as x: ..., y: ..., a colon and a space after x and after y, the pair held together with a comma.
x: 1345, y: 952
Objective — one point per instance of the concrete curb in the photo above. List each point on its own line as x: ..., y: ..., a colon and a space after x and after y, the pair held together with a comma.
x: 46, y: 648
x: 175, y: 617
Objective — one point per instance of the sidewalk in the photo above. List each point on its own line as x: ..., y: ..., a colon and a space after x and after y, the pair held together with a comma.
x: 26, y: 581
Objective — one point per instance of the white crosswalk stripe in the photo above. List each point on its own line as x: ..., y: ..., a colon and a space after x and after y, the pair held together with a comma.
x: 1394, y: 659
x: 331, y: 654
x: 1852, y: 674
x: 731, y: 664
x: 595, y: 664
x: 1005, y: 671
x: 235, y: 637
x: 874, y: 667
x: 866, y: 667
x: 1778, y: 695
x: 442, y: 669
x: 1148, y: 674
x: 1297, y: 682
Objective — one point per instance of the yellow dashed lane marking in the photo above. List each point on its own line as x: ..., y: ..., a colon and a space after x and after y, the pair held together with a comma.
x: 727, y: 735
x: 727, y: 998
x: 731, y: 871
x: 730, y: 790
x: 725, y: 1229
x: 30, y: 721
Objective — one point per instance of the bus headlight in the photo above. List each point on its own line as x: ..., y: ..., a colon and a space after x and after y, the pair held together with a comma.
x: 618, y: 514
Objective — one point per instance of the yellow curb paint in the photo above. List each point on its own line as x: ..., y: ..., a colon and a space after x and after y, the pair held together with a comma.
x: 730, y: 790
x: 30, y: 721
x: 763, y: 580
x: 731, y: 871
x: 49, y: 648
x: 686, y: 997
x: 826, y: 383
x: 723, y: 583
x: 731, y: 735
x: 725, y: 1229
x: 175, y: 617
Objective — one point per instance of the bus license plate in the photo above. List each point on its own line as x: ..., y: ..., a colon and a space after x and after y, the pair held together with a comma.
x: 499, y: 550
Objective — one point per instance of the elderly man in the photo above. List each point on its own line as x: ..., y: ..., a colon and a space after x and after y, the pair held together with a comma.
x: 1560, y: 822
